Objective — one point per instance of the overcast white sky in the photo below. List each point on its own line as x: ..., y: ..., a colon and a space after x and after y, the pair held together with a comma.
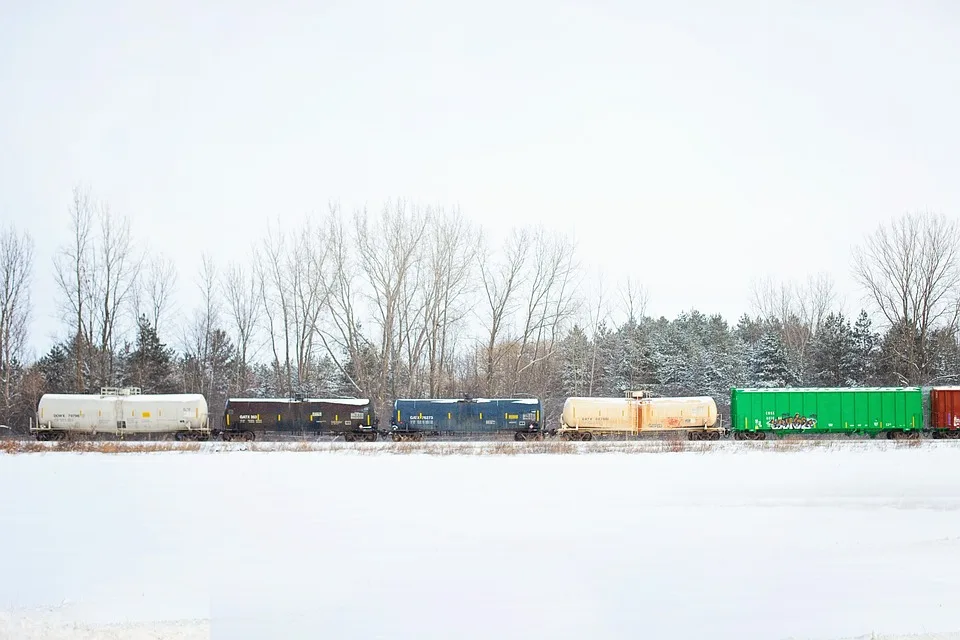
x: 692, y: 145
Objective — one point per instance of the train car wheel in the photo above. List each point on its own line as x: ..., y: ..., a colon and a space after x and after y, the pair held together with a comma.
x: 519, y: 437
x: 587, y: 435
x: 248, y: 436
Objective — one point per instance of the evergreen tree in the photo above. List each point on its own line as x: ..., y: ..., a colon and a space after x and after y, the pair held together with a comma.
x: 749, y: 330
x: 631, y: 365
x: 575, y: 355
x: 769, y: 362
x: 221, y: 360
x: 149, y: 365
x: 945, y: 356
x: 867, y: 346
x: 605, y: 377
x: 329, y: 381
x: 55, y: 367
x: 834, y: 357
x: 672, y: 347
x: 697, y: 354
x: 897, y: 355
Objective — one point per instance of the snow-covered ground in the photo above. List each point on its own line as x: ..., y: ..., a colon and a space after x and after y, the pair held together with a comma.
x: 721, y: 542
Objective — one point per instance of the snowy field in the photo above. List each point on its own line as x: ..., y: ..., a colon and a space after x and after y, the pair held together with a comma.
x: 721, y: 540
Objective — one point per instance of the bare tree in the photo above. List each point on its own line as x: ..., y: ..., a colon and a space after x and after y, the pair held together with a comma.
x: 116, y: 268
x: 73, y: 269
x: 596, y: 319
x: 388, y: 257
x: 634, y: 299
x: 343, y: 336
x: 292, y: 290
x: 910, y: 270
x: 501, y: 280
x: 309, y: 262
x: 274, y: 295
x: 152, y: 293
x: 548, y: 287
x: 771, y: 300
x: 241, y: 292
x: 16, y: 268
x: 416, y: 298
x: 199, y: 334
x: 450, y: 266
x: 797, y: 310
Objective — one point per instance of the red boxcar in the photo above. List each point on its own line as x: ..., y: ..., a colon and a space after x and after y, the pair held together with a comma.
x: 945, y: 410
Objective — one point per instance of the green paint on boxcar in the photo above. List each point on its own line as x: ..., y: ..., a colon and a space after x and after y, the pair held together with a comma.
x: 827, y: 410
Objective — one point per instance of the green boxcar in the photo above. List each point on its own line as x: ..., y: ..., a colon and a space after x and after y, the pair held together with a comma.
x: 755, y: 413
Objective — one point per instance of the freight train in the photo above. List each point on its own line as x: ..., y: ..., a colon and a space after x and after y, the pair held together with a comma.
x: 755, y: 414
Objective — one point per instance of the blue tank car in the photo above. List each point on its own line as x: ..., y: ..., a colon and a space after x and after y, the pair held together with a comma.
x: 415, y: 418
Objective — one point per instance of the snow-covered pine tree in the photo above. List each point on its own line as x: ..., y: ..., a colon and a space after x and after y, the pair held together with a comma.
x: 945, y: 356
x: 867, y: 346
x: 605, y: 376
x: 630, y: 365
x: 575, y: 358
x: 834, y: 357
x: 150, y: 364
x: 723, y: 360
x: 750, y: 330
x: 55, y: 369
x: 769, y: 362
x: 329, y: 381
x: 671, y: 357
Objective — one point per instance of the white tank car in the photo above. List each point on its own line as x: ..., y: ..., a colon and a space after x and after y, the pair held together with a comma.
x: 122, y: 411
x: 584, y: 418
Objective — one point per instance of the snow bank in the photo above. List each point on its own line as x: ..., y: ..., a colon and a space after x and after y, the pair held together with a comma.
x: 55, y: 624
x: 720, y: 543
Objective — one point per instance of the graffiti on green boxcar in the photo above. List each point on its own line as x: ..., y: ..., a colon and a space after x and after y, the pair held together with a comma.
x: 787, y: 422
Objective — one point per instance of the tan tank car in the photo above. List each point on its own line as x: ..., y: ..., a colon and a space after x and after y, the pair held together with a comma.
x: 589, y: 418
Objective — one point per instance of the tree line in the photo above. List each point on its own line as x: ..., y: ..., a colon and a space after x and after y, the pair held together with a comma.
x: 414, y: 301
